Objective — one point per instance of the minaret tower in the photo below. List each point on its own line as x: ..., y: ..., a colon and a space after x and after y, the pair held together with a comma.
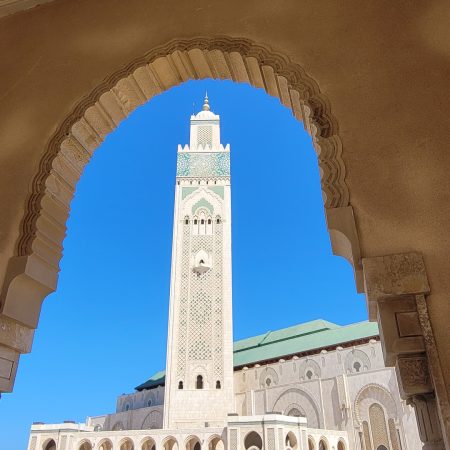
x: 199, y: 371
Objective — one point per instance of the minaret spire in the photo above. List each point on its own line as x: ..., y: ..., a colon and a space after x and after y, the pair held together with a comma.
x: 206, y: 103
x: 199, y: 370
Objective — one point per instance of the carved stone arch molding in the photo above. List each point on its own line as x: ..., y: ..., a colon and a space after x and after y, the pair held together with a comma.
x: 32, y: 273
x: 154, y: 419
x: 294, y: 396
x: 237, y: 59
x: 374, y: 393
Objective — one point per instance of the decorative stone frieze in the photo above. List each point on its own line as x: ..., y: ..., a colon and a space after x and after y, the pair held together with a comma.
x: 396, y: 286
x: 413, y: 375
x: 391, y: 276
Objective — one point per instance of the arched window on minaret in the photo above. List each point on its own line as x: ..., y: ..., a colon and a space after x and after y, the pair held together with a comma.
x: 218, y: 386
x: 186, y: 220
x: 180, y: 385
x: 218, y: 219
x: 202, y: 227
x: 199, y: 382
x: 195, y: 226
x: 209, y: 227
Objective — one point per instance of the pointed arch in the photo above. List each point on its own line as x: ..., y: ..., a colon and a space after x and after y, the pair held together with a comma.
x: 294, y: 396
x: 49, y: 444
x: 253, y: 440
x: 105, y: 444
x: 373, y: 393
x: 33, y: 272
x: 126, y: 444
x: 148, y: 443
x: 238, y: 59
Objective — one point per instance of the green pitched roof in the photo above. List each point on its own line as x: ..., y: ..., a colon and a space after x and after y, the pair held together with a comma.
x: 155, y: 380
x: 300, y: 338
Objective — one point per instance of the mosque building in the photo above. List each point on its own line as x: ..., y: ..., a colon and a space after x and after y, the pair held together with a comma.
x: 312, y: 386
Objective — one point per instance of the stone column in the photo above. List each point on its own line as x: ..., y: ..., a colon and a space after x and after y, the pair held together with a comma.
x: 29, y: 279
x: 396, y: 287
x: 15, y: 339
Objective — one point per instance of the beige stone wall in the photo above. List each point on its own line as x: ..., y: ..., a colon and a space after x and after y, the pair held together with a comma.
x: 382, y: 70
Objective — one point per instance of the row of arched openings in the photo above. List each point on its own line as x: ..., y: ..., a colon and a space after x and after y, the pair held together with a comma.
x: 202, y: 224
x: 199, y: 384
x: 170, y: 443
x: 253, y: 441
x: 323, y: 444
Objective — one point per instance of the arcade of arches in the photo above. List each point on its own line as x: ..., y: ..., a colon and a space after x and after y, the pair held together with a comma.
x: 369, y: 81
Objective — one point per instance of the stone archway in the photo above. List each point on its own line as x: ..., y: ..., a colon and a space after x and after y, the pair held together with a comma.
x: 300, y: 400
x: 372, y: 393
x: 33, y: 272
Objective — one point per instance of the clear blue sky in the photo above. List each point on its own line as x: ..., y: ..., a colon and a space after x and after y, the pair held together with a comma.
x: 104, y: 331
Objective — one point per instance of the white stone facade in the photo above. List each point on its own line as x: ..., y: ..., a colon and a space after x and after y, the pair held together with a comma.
x: 336, y: 403
x: 338, y: 397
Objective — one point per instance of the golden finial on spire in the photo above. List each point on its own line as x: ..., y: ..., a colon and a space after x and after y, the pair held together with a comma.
x: 206, y: 103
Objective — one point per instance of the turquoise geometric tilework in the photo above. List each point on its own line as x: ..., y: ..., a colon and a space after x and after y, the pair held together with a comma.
x: 218, y: 190
x: 187, y: 191
x: 203, y: 164
x: 202, y: 203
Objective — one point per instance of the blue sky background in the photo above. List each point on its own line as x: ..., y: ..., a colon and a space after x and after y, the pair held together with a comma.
x: 104, y: 331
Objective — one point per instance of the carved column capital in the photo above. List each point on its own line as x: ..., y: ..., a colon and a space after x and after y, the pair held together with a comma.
x: 413, y: 375
x: 396, y: 287
x: 392, y: 276
x: 15, y: 338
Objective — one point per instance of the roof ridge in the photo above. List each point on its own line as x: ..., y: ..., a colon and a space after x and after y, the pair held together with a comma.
x: 265, y: 334
x: 264, y: 338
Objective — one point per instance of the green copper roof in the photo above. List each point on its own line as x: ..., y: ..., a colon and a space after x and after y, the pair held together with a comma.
x: 156, y: 380
x: 300, y: 338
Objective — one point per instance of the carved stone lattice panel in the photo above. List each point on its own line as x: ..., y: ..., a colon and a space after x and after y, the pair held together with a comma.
x: 218, y: 303
x: 183, y: 299
x: 378, y: 426
x: 200, y: 305
x: 413, y: 375
x: 271, y: 439
x: 204, y: 136
x: 233, y: 440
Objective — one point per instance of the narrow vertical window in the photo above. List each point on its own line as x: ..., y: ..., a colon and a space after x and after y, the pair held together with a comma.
x: 199, y: 383
x: 218, y: 386
x: 180, y: 385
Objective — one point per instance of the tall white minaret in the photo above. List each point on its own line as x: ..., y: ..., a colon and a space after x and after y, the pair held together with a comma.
x: 199, y: 370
